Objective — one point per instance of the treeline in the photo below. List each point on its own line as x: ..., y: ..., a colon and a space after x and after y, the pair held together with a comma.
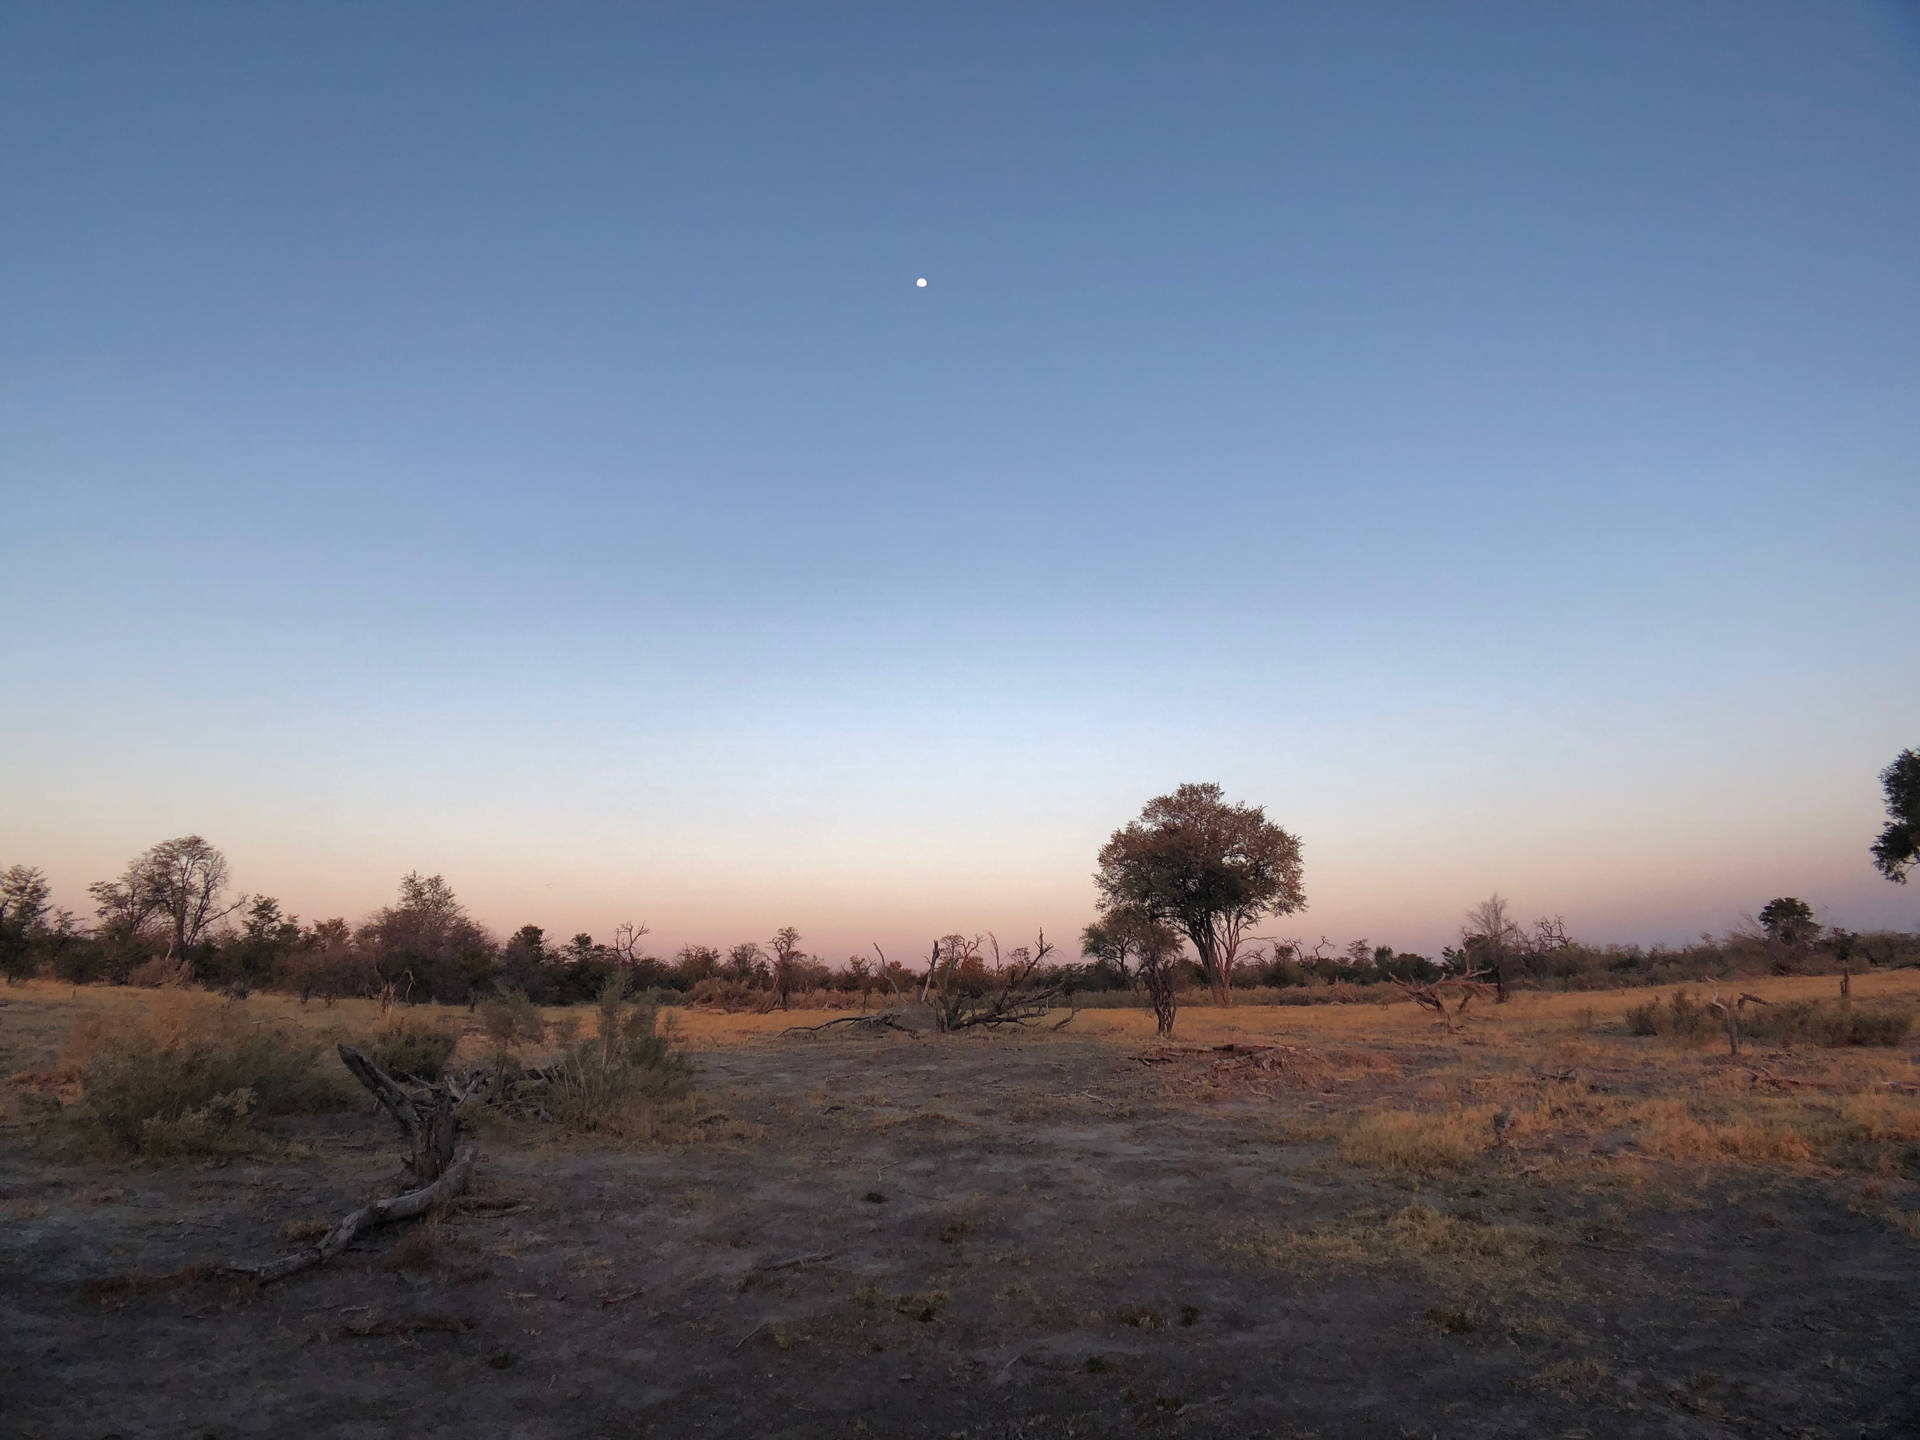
x: 171, y: 917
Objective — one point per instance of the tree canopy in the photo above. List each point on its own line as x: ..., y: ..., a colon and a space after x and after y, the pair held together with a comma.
x: 1898, y: 849
x: 1209, y: 868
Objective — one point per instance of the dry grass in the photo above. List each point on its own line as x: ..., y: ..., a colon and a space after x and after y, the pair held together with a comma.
x: 1463, y: 1251
x: 1408, y: 1142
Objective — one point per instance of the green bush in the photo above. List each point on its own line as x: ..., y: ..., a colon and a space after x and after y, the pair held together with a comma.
x: 512, y: 1021
x: 629, y: 1063
x: 412, y: 1047
x: 185, y: 1077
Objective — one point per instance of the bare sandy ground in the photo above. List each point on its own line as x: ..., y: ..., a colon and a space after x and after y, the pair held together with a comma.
x: 1010, y: 1236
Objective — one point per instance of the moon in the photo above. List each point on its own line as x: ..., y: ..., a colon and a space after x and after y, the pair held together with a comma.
x: 921, y: 282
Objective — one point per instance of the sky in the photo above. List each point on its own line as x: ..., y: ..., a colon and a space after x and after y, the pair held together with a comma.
x: 508, y: 441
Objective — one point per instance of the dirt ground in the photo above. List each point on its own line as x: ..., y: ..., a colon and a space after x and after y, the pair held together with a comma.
x: 1038, y: 1235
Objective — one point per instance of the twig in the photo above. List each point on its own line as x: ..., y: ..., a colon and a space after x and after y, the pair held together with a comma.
x: 748, y: 1336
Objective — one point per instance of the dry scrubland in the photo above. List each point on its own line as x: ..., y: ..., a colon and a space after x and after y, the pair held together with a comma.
x: 1543, y: 1225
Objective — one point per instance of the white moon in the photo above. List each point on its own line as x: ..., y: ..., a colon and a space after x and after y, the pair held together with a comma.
x: 921, y: 282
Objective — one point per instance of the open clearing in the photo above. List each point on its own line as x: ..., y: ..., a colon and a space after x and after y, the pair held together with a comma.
x: 1543, y: 1226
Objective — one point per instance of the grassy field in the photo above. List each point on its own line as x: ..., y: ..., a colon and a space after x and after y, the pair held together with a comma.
x: 1351, y: 1222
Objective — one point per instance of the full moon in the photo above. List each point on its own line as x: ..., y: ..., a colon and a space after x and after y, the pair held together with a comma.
x: 921, y: 282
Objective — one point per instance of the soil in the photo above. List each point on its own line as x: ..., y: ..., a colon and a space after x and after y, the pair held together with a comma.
x: 971, y: 1236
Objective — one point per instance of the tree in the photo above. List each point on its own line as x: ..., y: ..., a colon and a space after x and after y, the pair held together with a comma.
x: 428, y: 941
x: 1154, y: 948
x: 1898, y: 849
x: 695, y: 963
x: 1207, y: 868
x: 187, y: 879
x: 1492, y: 942
x: 1788, y: 922
x: 746, y: 962
x: 268, y: 938
x: 24, y: 900
x: 784, y: 948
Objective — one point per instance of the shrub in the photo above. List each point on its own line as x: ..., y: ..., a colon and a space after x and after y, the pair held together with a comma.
x: 186, y: 1077
x: 728, y: 995
x: 1803, y: 1022
x: 412, y: 1047
x: 612, y: 1080
x: 1823, y: 1022
x: 512, y: 1021
x: 1680, y: 1017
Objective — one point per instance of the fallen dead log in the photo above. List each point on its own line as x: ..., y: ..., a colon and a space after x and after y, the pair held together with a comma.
x: 367, y: 1217
x: 427, y: 1118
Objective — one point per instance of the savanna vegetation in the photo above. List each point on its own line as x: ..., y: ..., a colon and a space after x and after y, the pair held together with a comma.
x: 1170, y: 1184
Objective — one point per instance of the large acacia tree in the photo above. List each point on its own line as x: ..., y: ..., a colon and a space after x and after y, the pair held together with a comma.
x: 1210, y: 869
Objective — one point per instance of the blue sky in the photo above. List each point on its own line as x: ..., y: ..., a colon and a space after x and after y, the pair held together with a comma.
x: 509, y: 441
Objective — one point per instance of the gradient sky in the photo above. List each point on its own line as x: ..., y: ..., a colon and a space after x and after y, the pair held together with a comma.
x: 508, y: 441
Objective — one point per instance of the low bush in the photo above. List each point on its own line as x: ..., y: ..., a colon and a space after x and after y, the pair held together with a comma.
x: 412, y: 1047
x: 512, y: 1022
x: 729, y: 995
x: 187, y: 1077
x: 614, y: 1080
x: 1685, y: 1016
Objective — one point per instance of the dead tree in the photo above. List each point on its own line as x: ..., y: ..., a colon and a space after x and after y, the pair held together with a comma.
x: 427, y: 1117
x: 1730, y: 1013
x: 1433, y: 995
x: 966, y: 992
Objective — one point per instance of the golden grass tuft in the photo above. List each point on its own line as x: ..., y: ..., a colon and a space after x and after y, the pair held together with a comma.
x: 1670, y: 1128
x: 1423, y: 1143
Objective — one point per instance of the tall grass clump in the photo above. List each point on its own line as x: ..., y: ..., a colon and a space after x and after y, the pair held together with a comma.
x: 181, y: 1076
x: 1416, y: 1143
x: 615, y: 1080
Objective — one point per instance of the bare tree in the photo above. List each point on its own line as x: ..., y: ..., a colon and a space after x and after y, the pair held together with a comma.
x: 187, y: 879
x: 1492, y: 942
x: 626, y: 942
x: 1730, y: 1013
x: 965, y: 990
x: 784, y: 948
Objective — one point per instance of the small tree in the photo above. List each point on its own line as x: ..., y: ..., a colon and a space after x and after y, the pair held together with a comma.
x: 1154, y: 949
x: 1898, y: 849
x: 268, y: 939
x: 1789, y: 922
x: 747, y: 962
x: 427, y: 941
x: 784, y: 948
x: 1492, y: 942
x: 695, y: 963
x: 1210, y: 869
x: 24, y: 902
